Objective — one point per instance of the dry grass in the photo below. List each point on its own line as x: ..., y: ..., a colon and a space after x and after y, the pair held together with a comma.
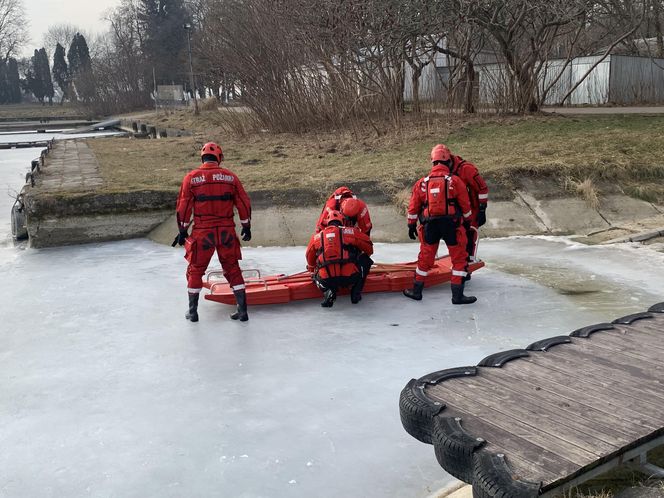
x: 32, y: 111
x: 586, y: 189
x: 624, y: 149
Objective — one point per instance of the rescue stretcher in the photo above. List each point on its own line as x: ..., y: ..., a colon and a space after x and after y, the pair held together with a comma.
x: 279, y: 289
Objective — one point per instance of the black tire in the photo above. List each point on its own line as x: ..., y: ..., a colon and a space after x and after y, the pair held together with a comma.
x: 454, y: 447
x: 19, y: 229
x: 417, y: 414
x: 493, y: 479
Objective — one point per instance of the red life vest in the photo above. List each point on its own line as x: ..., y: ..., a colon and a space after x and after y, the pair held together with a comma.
x: 334, y: 258
x: 439, y: 202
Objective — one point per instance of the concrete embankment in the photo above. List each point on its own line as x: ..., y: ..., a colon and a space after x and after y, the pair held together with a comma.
x: 66, y: 206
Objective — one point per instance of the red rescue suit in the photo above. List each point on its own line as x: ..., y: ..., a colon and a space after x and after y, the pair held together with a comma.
x: 478, y: 193
x: 333, y: 254
x: 440, y: 201
x: 210, y: 193
x: 333, y: 203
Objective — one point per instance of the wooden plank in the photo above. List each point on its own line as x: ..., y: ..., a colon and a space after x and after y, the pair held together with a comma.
x: 616, y: 345
x: 574, y: 451
x: 646, y: 336
x: 575, y: 430
x: 638, y: 339
x: 528, y: 459
x: 634, y: 376
x: 608, y: 426
x: 570, y: 362
x: 633, y: 411
x: 612, y: 364
x: 618, y: 351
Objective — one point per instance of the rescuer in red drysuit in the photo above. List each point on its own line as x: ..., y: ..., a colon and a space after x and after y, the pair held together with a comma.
x: 478, y: 193
x: 210, y: 193
x: 357, y: 215
x: 440, y: 201
x: 334, y: 255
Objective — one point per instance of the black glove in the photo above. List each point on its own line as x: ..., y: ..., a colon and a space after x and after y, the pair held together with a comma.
x: 180, y: 238
x: 246, y: 233
x: 466, y: 224
x: 481, y: 215
x: 412, y: 230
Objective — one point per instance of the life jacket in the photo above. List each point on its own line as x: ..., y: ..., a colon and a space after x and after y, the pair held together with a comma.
x: 439, y: 201
x: 334, y: 257
x: 332, y: 248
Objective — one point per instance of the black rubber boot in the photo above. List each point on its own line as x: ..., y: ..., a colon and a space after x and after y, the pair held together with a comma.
x: 356, y: 290
x: 192, y: 314
x: 415, y: 292
x: 328, y: 298
x: 241, y: 313
x: 458, y: 297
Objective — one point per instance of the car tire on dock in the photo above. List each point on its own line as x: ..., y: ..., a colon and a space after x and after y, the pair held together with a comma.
x: 19, y: 228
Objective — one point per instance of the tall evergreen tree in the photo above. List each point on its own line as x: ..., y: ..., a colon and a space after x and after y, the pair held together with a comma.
x: 45, y: 75
x: 80, y: 67
x: 34, y: 78
x: 4, y: 84
x: 61, y: 71
x: 165, y: 39
x: 13, y: 82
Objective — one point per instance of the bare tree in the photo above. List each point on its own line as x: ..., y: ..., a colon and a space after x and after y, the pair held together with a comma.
x: 13, y: 28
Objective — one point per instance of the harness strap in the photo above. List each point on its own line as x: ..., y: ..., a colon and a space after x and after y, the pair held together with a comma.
x: 223, y: 197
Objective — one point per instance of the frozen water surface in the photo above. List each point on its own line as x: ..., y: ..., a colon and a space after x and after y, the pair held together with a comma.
x: 106, y: 390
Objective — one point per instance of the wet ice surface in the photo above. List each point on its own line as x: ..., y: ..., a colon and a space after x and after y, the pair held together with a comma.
x: 107, y: 391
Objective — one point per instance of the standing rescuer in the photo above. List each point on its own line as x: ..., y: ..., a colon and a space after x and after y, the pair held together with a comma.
x: 210, y: 193
x: 478, y: 193
x: 335, y: 256
x: 440, y: 202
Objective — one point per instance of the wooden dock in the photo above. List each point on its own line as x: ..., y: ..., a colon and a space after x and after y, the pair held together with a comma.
x: 537, y: 421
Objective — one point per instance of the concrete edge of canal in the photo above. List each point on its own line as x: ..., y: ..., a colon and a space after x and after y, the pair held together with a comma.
x: 82, y: 216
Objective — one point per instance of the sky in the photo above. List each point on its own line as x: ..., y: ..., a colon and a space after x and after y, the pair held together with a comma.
x: 84, y: 13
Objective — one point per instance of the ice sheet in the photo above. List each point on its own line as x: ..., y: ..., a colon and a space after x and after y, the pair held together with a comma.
x: 108, y: 391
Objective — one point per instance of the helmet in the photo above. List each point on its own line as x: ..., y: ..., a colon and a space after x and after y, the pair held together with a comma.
x: 350, y: 207
x: 335, y: 216
x: 212, y: 149
x: 440, y: 153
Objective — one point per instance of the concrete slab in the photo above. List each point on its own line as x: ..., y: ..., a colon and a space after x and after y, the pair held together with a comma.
x: 619, y: 209
x: 572, y: 215
x: 62, y: 231
x: 511, y: 218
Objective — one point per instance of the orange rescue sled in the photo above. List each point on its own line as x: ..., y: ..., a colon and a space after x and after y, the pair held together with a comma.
x: 277, y: 289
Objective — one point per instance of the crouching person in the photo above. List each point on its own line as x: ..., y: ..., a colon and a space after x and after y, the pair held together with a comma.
x: 339, y: 257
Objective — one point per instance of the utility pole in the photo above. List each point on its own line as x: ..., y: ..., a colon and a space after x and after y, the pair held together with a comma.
x: 188, y: 27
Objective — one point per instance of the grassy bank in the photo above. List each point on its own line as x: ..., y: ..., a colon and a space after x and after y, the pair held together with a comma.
x: 626, y: 151
x: 32, y: 111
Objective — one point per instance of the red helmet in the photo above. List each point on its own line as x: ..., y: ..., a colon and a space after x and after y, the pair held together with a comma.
x: 440, y: 153
x: 335, y: 216
x: 350, y: 207
x: 212, y: 149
